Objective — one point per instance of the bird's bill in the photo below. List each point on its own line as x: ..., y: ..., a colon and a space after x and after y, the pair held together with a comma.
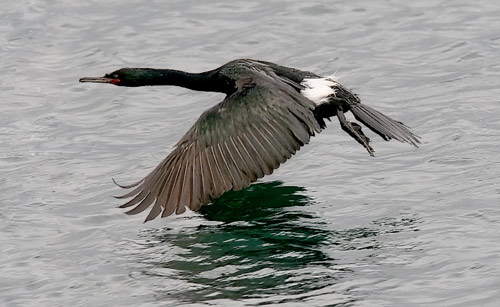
x: 99, y: 80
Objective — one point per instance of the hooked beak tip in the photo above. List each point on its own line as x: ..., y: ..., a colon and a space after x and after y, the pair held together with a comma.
x: 99, y: 80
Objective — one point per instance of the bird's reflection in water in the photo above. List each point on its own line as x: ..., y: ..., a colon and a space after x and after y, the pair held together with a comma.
x: 262, y: 244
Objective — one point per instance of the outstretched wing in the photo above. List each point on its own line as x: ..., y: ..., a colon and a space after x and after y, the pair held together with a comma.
x: 246, y: 136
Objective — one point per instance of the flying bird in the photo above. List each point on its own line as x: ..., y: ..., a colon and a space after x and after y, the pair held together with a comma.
x: 269, y: 112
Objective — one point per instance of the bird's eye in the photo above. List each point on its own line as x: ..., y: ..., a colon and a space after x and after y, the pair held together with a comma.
x: 115, y: 76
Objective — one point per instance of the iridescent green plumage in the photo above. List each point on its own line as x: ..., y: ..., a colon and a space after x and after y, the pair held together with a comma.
x: 262, y: 122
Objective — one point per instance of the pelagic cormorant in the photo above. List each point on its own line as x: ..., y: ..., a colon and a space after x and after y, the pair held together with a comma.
x: 270, y: 111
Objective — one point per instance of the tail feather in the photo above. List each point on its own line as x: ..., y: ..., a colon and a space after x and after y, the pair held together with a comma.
x: 383, y: 125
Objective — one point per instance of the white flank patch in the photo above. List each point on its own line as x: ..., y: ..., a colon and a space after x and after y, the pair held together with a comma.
x: 319, y: 89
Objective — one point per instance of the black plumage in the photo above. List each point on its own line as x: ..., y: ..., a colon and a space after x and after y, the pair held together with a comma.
x: 262, y: 122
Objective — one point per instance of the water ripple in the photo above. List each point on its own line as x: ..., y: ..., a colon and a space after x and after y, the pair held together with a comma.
x: 332, y: 226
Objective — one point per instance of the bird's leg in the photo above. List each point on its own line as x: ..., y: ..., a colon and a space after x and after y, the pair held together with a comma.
x: 354, y: 130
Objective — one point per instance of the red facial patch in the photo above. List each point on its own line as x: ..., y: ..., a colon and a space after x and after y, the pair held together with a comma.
x: 115, y: 81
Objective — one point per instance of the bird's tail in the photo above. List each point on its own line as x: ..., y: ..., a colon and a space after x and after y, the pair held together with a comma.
x: 383, y: 125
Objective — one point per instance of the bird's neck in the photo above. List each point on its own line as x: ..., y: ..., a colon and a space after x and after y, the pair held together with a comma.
x: 207, y: 81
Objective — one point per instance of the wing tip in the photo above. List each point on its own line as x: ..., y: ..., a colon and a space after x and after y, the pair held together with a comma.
x: 127, y: 186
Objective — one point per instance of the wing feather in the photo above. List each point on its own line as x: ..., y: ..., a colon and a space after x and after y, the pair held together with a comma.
x: 290, y: 142
x: 196, y: 180
x: 160, y: 187
x: 223, y: 176
x: 225, y: 165
x: 280, y: 152
x: 208, y: 178
x: 253, y: 166
x: 272, y: 147
x: 243, y: 163
x: 237, y: 167
x: 142, y: 198
x: 187, y: 186
x: 168, y: 186
x: 175, y: 197
x: 260, y: 157
x: 262, y: 151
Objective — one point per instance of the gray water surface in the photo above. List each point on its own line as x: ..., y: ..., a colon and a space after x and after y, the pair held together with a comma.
x: 332, y: 226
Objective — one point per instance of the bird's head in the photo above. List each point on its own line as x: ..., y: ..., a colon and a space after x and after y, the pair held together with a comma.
x: 122, y: 77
